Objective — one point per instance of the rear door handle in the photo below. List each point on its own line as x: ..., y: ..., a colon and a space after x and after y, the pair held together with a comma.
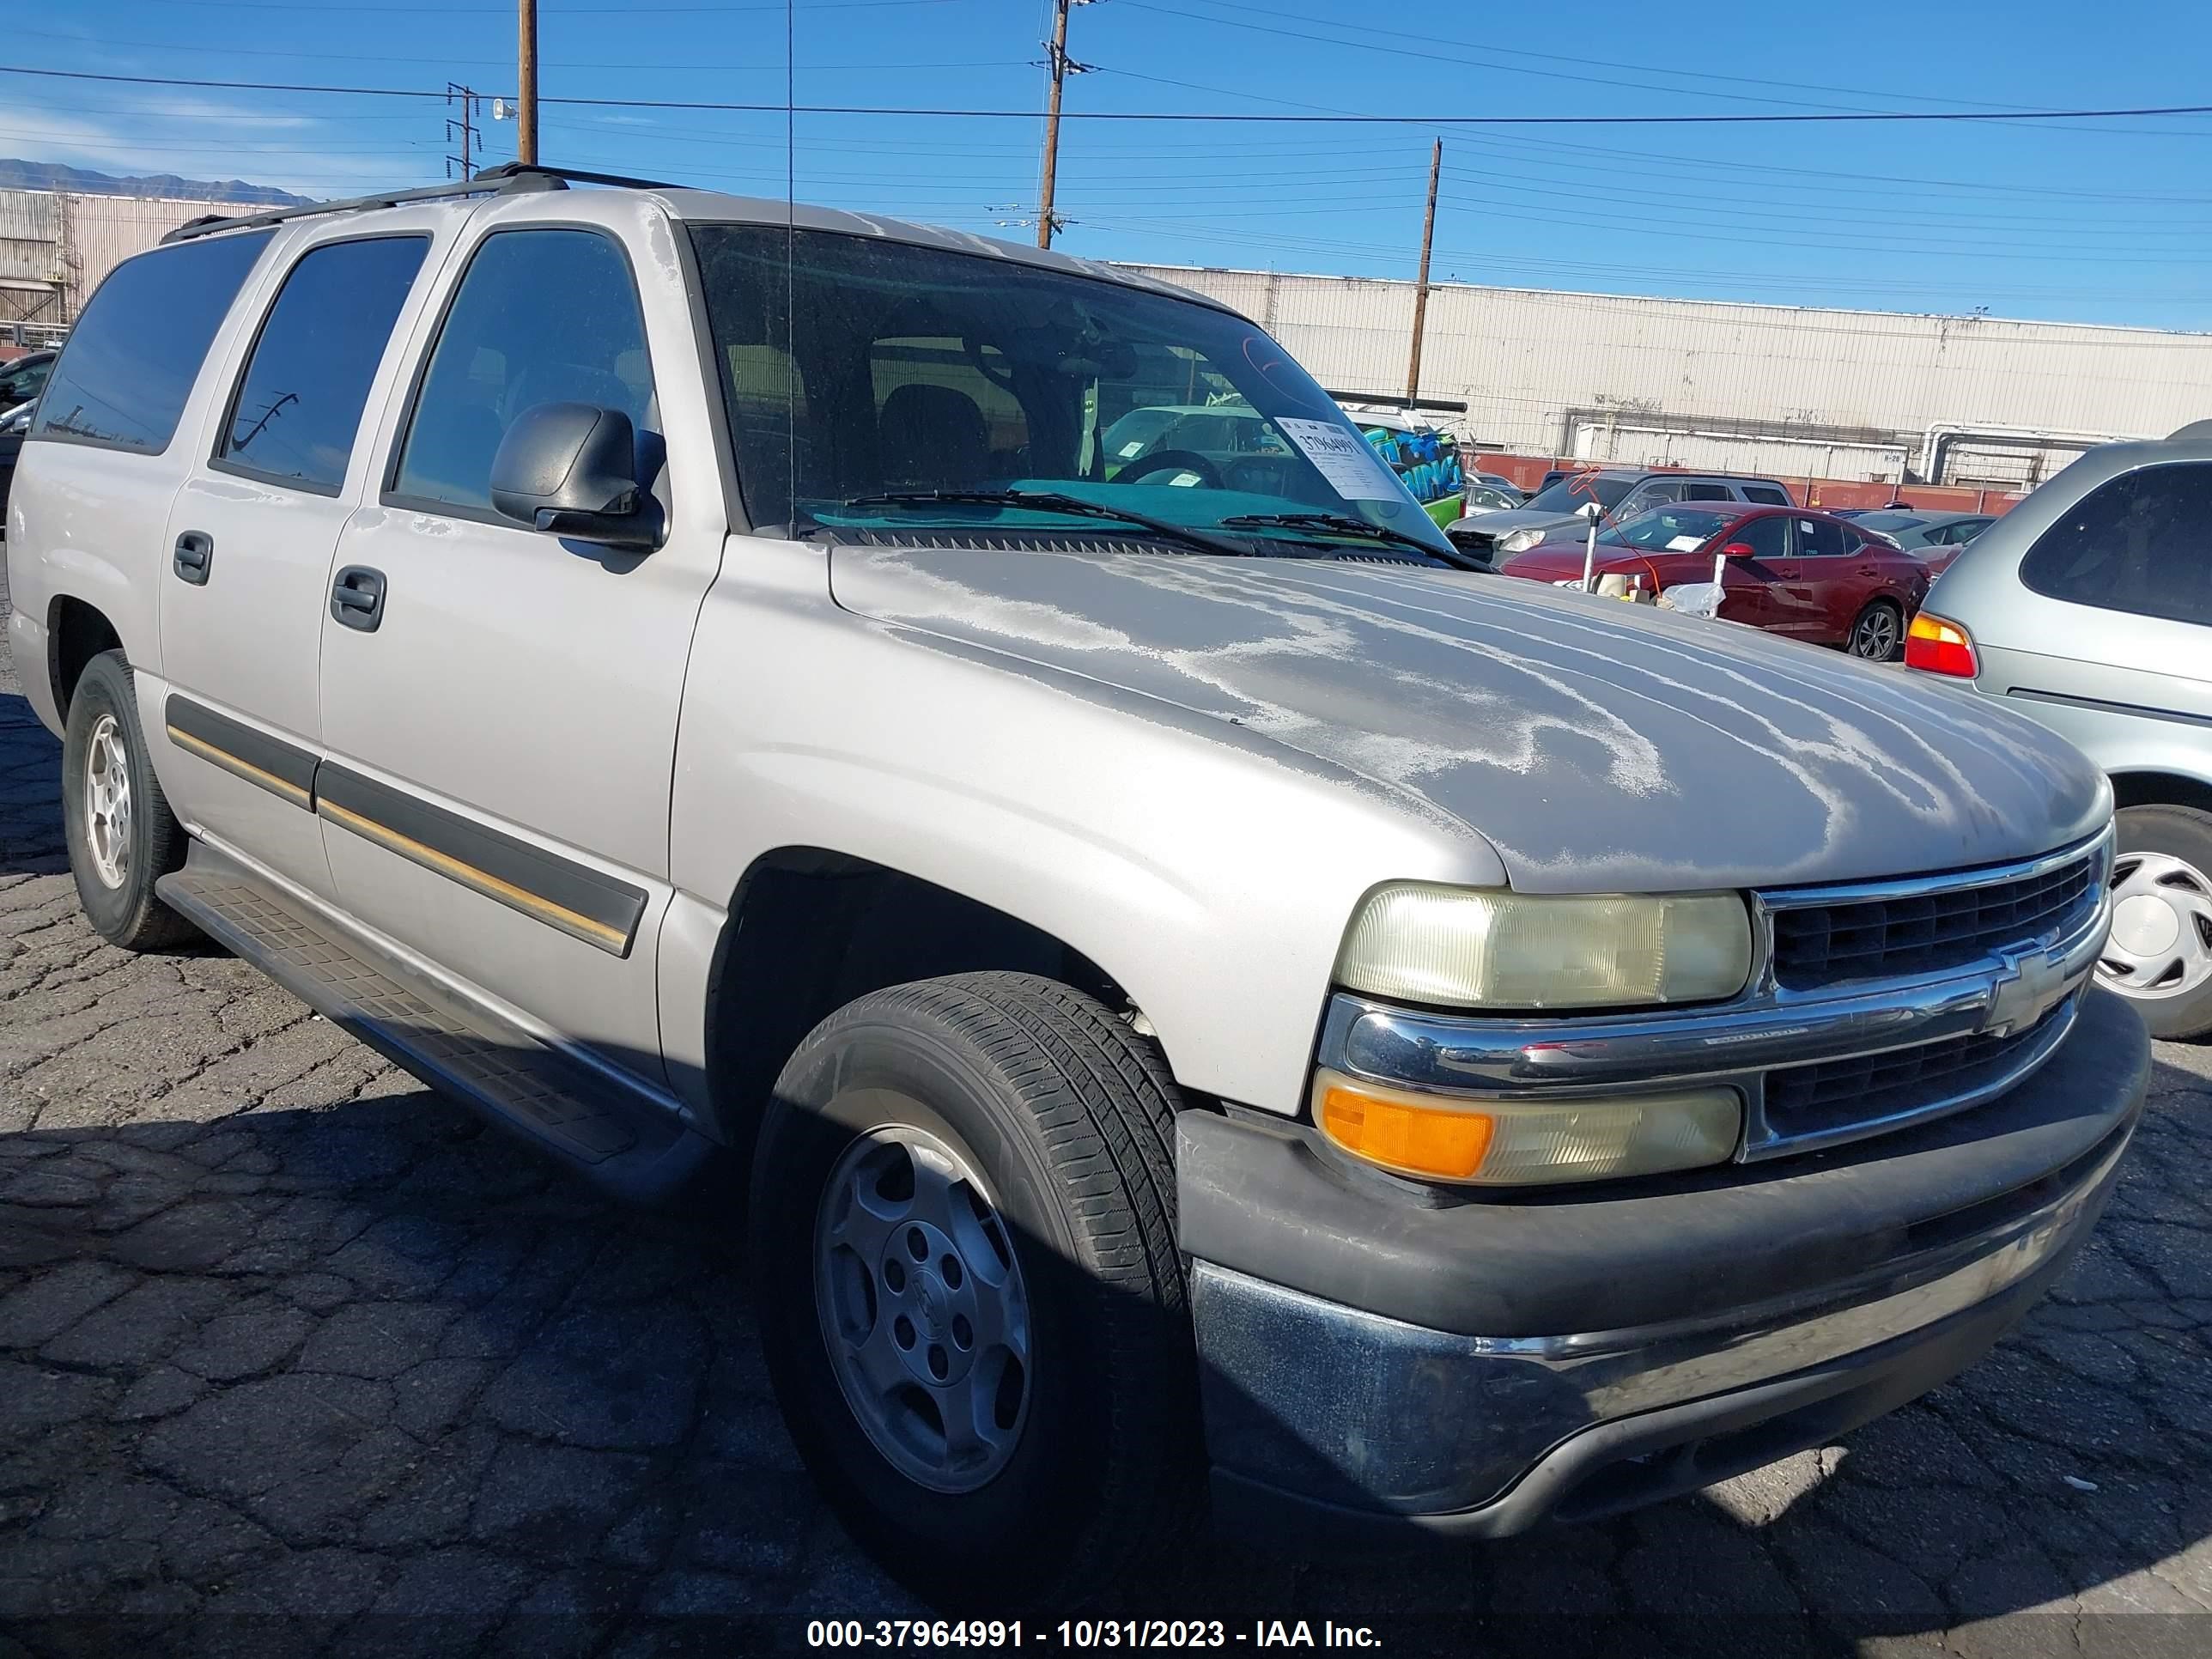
x: 357, y: 597
x: 194, y: 555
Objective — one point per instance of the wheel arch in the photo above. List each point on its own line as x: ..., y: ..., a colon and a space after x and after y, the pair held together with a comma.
x: 2152, y: 788
x: 809, y: 929
x: 77, y: 631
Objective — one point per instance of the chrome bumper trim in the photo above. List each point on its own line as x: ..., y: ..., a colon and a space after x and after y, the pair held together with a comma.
x: 1738, y: 1043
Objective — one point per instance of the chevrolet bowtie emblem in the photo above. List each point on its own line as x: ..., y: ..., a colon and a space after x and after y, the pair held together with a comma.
x: 2026, y: 989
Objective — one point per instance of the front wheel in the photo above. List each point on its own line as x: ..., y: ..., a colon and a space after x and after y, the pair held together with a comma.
x: 1878, y: 635
x: 2159, y: 955
x: 972, y: 1306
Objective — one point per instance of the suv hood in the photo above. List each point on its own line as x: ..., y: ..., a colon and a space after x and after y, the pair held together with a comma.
x: 1595, y: 745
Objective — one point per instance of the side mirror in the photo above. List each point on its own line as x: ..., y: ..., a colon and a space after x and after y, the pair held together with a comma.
x: 1739, y: 550
x: 570, y: 470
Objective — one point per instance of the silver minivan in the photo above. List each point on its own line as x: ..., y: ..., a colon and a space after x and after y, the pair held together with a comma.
x: 2089, y: 606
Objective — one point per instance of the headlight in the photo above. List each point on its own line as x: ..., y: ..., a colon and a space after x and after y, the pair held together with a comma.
x: 1484, y: 948
x: 1521, y: 1143
x: 1519, y: 541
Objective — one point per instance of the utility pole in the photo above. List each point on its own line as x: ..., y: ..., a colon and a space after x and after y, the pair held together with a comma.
x: 1421, y: 283
x: 525, y: 126
x: 1061, y: 66
x: 464, y: 129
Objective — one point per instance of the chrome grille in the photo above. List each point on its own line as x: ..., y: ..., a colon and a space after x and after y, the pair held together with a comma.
x: 1927, y: 931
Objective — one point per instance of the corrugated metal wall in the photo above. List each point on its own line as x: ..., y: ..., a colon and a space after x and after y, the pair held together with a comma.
x: 61, y: 243
x: 1752, y: 388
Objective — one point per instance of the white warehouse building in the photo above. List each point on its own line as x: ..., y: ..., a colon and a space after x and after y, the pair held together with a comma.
x: 1785, y: 390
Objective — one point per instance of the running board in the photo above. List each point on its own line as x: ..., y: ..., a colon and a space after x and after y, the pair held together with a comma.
x: 625, y: 1143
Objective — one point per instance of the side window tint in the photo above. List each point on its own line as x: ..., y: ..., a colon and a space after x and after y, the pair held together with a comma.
x: 131, y: 359
x: 2135, y: 543
x: 937, y: 407
x: 1710, y: 492
x: 1767, y: 538
x: 541, y: 317
x: 298, y: 403
x: 1765, y: 495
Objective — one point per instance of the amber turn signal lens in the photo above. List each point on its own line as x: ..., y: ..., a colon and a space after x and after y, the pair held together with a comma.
x: 1397, y: 1135
x: 1935, y: 645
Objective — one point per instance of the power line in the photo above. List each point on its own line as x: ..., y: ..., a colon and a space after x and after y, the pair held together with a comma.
x: 1126, y: 117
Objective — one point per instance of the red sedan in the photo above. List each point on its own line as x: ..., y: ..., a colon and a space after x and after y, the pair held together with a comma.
x: 1788, y: 570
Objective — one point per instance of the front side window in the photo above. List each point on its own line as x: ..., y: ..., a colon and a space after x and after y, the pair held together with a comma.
x: 540, y: 316
x: 298, y: 403
x: 131, y: 361
x: 2135, y: 543
x: 855, y: 368
x: 1767, y: 538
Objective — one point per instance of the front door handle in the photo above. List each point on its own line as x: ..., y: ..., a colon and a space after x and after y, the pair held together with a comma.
x: 194, y: 555
x: 357, y: 597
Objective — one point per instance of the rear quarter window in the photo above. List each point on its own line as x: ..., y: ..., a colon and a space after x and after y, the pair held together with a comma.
x: 130, y: 363
x: 2141, y: 543
x: 1765, y: 494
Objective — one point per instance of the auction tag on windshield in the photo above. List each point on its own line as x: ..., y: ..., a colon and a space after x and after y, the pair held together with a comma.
x: 1343, y: 458
x: 1685, y: 544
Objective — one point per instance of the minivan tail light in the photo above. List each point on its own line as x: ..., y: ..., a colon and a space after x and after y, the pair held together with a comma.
x: 1935, y: 645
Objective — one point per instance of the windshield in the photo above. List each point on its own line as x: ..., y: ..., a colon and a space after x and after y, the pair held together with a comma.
x: 1668, y: 530
x: 855, y: 367
x: 1571, y: 491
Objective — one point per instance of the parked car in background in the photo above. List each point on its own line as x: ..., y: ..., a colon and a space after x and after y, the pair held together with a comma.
x: 1216, y: 997
x: 1487, y: 498
x: 1504, y: 485
x: 14, y: 425
x: 1936, y: 537
x: 21, y: 378
x: 1621, y: 494
x: 1810, y: 575
x: 2089, y: 605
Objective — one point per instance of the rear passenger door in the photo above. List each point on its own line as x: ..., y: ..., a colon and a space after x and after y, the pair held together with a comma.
x: 246, y: 563
x: 501, y: 725
x: 1819, y: 583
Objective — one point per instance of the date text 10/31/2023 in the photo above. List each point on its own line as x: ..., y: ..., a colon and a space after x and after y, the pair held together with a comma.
x: 996, y: 1633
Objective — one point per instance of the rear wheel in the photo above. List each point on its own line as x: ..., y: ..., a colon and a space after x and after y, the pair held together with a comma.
x: 962, y: 1239
x: 1878, y: 635
x: 122, y: 836
x: 2160, y: 953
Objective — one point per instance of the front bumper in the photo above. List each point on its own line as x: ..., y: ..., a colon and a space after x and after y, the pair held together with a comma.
x: 1372, y: 1354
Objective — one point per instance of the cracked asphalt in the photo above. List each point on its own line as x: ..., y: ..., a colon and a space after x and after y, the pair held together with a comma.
x: 296, y: 1358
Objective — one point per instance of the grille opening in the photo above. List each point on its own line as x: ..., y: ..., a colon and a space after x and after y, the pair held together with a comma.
x: 1817, y: 946
x: 1837, y: 1094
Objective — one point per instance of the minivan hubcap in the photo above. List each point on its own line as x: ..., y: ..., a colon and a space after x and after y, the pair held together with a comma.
x: 1877, y: 635
x: 107, y: 802
x: 922, y: 1308
x: 2161, y: 939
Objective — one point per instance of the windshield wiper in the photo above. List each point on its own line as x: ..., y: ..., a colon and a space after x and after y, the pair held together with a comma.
x: 1048, y: 501
x: 1343, y: 523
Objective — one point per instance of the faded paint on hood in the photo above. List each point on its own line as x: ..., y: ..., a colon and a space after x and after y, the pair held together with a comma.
x: 1596, y: 745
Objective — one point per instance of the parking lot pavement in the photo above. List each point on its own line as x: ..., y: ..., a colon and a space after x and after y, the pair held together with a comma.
x: 294, y: 1358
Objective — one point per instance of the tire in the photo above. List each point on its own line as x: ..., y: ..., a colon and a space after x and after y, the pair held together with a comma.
x: 1878, y: 632
x: 118, y: 855
x: 2159, y: 955
x: 1067, y: 1120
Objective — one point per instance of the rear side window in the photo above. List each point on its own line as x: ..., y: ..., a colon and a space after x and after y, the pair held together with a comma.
x: 133, y: 355
x: 299, y: 405
x: 1765, y: 494
x: 1819, y: 539
x: 2140, y: 543
x: 541, y: 317
x: 1710, y: 492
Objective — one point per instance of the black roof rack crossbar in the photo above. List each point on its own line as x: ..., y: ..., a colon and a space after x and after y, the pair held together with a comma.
x: 508, y: 178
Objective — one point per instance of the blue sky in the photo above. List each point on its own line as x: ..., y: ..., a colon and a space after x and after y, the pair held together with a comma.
x: 2106, y: 222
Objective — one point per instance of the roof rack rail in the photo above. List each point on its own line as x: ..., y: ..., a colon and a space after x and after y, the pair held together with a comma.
x: 508, y: 178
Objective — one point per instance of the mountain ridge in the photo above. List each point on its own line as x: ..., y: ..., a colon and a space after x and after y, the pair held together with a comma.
x: 18, y: 174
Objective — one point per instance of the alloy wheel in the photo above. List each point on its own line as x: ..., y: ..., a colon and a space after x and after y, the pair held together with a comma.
x: 922, y: 1308
x: 107, y: 802
x: 1876, y: 636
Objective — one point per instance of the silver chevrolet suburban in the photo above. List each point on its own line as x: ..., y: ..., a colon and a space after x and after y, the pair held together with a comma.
x: 1209, y: 989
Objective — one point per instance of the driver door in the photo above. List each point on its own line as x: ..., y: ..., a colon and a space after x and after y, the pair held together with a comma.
x: 1748, y: 585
